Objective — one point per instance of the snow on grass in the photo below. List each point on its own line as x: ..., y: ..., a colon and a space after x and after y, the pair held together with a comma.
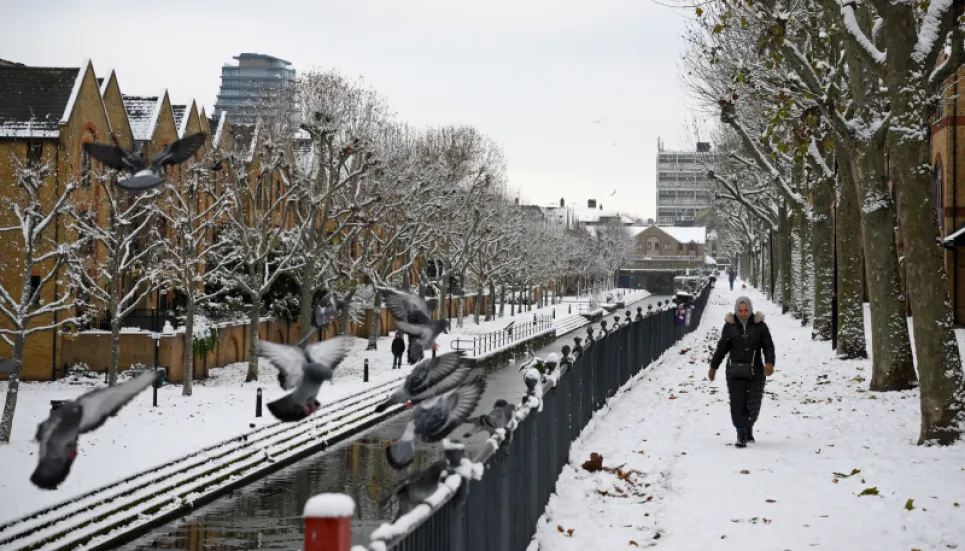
x: 140, y: 436
x: 823, y: 440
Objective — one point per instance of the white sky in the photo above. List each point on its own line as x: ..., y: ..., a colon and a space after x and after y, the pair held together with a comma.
x: 531, y: 74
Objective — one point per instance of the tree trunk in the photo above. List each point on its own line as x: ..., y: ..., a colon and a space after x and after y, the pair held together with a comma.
x: 344, y: 314
x: 807, y: 264
x: 936, y: 348
x: 478, y: 305
x: 821, y: 260
x: 189, y: 308
x: 892, y: 364
x: 376, y: 326
x: 13, y: 389
x: 459, y: 312
x: 851, y: 341
x: 784, y: 255
x: 502, y: 300
x: 253, y: 317
x: 491, y: 311
x: 306, y: 294
x: 115, y: 350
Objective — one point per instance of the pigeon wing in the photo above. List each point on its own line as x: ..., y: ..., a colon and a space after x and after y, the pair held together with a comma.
x: 405, y: 308
x: 289, y: 360
x: 181, y: 150
x: 102, y: 403
x: 418, y: 379
x: 432, y: 304
x: 108, y: 155
x: 329, y: 353
x: 454, y: 379
x: 456, y: 407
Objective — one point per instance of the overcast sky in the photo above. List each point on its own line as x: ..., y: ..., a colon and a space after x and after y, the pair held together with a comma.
x: 531, y: 74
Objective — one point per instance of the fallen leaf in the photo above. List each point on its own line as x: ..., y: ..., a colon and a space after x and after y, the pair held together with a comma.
x: 955, y: 504
x: 672, y: 397
x: 853, y: 472
x: 772, y: 501
x: 635, y: 544
x: 656, y: 536
x: 767, y: 521
x: 873, y: 491
x: 569, y: 532
x: 560, y: 528
x: 745, y: 471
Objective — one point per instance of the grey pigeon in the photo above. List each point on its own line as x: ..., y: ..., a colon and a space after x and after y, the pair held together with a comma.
x: 498, y: 418
x: 433, y: 420
x: 58, y: 434
x: 143, y: 176
x: 430, y: 377
x: 415, y: 488
x: 302, y: 372
x: 413, y: 315
x: 326, y: 310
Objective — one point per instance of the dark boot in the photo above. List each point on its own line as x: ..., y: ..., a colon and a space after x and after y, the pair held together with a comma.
x: 750, y: 434
x: 741, y: 439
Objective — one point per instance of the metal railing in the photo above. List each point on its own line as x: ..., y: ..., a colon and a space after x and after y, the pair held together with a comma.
x: 502, y: 508
x: 477, y: 345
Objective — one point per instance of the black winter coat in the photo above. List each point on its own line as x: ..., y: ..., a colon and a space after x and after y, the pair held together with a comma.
x: 742, y: 343
x: 398, y: 346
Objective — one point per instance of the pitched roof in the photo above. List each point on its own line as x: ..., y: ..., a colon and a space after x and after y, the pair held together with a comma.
x: 35, y: 100
x: 218, y: 127
x: 179, y: 115
x: 143, y: 111
x: 686, y: 234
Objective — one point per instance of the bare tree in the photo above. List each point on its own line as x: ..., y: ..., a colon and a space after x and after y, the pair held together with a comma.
x: 28, y: 229
x: 122, y: 270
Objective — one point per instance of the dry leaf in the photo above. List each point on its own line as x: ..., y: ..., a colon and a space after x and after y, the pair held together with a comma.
x: 656, y: 536
x: 745, y: 471
x: 569, y: 532
x: 560, y: 528
x: 766, y: 520
x: 635, y: 544
x: 772, y: 501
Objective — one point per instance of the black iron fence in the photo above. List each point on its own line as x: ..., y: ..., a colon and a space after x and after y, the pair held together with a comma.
x: 502, y: 508
x: 476, y: 345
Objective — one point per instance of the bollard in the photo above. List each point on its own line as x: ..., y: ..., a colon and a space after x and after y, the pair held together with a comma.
x: 569, y: 309
x: 258, y: 403
x: 365, y: 371
x: 328, y: 522
x: 554, y: 313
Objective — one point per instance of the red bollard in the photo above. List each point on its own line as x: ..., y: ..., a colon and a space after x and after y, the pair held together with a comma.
x: 328, y: 522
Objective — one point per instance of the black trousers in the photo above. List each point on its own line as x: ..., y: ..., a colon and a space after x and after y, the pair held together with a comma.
x: 745, y: 401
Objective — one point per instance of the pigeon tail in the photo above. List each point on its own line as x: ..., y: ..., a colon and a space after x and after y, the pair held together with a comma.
x: 384, y: 405
x: 415, y: 352
x: 400, y: 454
x: 288, y: 409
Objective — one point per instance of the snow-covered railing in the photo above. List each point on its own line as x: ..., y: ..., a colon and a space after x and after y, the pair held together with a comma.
x: 486, y: 344
x: 494, y: 500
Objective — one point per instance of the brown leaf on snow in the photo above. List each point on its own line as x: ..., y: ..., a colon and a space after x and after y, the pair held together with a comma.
x: 569, y: 532
x: 766, y: 520
x: 656, y: 536
x: 772, y: 501
x: 560, y: 528
x: 672, y: 397
x: 633, y: 543
x: 594, y: 463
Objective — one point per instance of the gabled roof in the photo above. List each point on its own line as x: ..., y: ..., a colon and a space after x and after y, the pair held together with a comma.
x: 218, y: 126
x: 685, y: 235
x: 35, y: 100
x: 103, y: 82
x: 143, y: 112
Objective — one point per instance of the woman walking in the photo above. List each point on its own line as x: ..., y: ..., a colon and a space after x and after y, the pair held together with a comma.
x: 748, y: 341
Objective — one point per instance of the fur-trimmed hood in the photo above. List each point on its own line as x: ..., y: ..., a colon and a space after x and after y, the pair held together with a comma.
x: 756, y: 318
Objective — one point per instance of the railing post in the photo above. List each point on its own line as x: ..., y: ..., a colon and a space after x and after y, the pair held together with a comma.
x: 328, y: 522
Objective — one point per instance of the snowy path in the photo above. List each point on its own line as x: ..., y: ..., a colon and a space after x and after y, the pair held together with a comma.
x: 689, y: 488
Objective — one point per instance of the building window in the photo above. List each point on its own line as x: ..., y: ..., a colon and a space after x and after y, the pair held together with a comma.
x: 938, y: 195
x: 84, y: 169
x: 35, y: 153
x: 666, y: 246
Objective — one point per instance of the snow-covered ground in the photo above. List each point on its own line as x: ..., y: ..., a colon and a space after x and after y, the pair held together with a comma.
x: 141, y: 436
x: 834, y: 466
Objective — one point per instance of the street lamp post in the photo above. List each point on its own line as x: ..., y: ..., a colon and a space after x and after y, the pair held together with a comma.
x: 157, y: 346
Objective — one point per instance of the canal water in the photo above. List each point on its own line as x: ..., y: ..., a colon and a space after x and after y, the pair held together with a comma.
x: 267, y: 513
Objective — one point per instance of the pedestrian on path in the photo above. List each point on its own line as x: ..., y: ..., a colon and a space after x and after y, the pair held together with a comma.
x: 398, y: 348
x: 748, y: 341
x: 731, y: 276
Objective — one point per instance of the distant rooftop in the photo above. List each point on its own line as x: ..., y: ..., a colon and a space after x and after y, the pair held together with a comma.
x: 243, y: 57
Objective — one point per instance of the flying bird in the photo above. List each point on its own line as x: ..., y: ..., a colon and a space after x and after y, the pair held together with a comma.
x: 413, y: 315
x: 302, y: 372
x: 143, y: 176
x: 58, y: 434
x: 614, y: 193
x: 597, y: 121
x: 430, y: 377
x: 326, y: 310
x: 433, y: 420
x: 498, y: 418
x: 415, y: 488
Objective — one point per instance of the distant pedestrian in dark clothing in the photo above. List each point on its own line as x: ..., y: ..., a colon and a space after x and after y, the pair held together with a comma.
x: 398, y: 348
x: 748, y: 341
x: 731, y: 276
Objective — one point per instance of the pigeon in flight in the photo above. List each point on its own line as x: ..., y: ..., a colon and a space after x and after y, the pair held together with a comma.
x: 413, y: 315
x: 143, y: 176
x: 498, y: 418
x: 58, y: 434
x: 433, y: 420
x: 326, y: 310
x: 415, y: 488
x: 302, y: 372
x: 430, y: 377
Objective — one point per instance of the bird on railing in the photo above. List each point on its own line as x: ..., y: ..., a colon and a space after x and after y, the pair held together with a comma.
x: 58, y: 434
x: 433, y: 420
x: 566, y: 359
x: 577, y: 347
x: 416, y: 488
x: 302, y: 372
x: 498, y: 418
x: 430, y: 377
x: 413, y: 315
